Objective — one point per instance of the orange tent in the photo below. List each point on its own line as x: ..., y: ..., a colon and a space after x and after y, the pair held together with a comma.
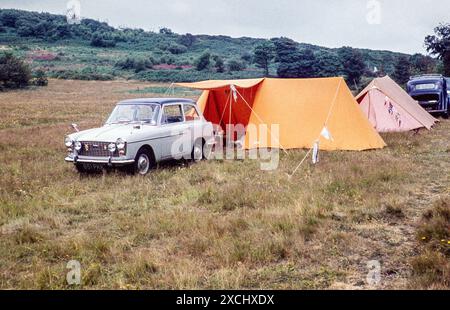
x: 302, y: 108
x: 390, y: 109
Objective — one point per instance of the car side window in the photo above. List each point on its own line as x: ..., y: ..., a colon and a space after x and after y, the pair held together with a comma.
x: 172, y: 114
x: 191, y: 113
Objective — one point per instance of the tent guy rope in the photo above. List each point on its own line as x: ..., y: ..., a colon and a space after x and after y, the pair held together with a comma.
x: 260, y: 120
x: 330, y: 112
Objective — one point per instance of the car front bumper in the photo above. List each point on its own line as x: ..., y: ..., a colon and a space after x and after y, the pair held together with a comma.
x: 111, y: 161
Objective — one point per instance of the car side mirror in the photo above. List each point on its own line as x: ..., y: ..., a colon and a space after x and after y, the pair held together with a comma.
x: 75, y: 127
x: 153, y: 123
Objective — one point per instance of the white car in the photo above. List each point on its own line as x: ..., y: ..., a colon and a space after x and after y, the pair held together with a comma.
x: 142, y: 132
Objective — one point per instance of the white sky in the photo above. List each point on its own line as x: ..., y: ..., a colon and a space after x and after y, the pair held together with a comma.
x: 332, y: 23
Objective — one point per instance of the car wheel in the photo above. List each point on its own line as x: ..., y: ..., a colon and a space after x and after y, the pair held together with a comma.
x: 144, y: 162
x: 197, y: 151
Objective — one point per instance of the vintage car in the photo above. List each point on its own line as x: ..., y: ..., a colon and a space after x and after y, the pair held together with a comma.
x: 140, y: 133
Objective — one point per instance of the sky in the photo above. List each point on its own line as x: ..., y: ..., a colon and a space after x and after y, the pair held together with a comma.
x: 396, y: 25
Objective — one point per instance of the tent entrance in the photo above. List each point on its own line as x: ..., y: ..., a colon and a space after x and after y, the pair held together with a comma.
x: 230, y: 109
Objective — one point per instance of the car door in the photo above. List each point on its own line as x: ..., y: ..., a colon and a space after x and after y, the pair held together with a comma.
x: 194, y: 126
x: 173, y: 131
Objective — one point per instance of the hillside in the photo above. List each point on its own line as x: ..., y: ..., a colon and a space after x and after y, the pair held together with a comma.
x: 95, y: 50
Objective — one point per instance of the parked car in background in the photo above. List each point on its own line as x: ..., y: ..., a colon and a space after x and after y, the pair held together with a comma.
x: 432, y: 92
x: 140, y: 133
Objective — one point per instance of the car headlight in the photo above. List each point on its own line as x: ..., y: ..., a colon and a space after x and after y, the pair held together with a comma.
x: 120, y: 144
x: 68, y: 141
x: 78, y: 146
x: 112, y: 147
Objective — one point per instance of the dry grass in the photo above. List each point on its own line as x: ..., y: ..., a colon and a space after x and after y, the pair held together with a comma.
x: 215, y: 224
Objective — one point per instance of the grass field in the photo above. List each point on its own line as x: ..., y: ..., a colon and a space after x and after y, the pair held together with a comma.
x: 214, y: 224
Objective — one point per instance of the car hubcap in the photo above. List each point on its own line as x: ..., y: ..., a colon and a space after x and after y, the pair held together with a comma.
x: 198, y: 153
x: 143, y: 164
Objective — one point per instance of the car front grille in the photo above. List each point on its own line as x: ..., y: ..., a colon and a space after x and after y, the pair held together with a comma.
x: 96, y: 149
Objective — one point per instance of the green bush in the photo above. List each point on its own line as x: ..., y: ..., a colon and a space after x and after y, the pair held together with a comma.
x: 14, y: 73
x: 203, y: 62
x: 177, y: 49
x: 102, y: 40
x: 187, y: 40
x: 136, y: 64
x: 235, y: 65
x: 86, y: 74
x: 39, y: 78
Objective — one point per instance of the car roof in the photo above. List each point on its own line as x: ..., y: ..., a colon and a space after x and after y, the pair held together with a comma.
x: 426, y: 78
x: 160, y: 101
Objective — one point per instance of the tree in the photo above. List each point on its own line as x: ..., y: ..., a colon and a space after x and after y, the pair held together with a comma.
x: 402, y: 71
x: 439, y: 44
x: 235, y: 65
x: 219, y: 64
x: 165, y: 31
x: 328, y: 64
x: 14, y: 73
x: 352, y: 64
x: 187, y: 40
x: 421, y: 64
x: 247, y: 57
x: 203, y: 62
x: 294, y: 63
x: 263, y: 55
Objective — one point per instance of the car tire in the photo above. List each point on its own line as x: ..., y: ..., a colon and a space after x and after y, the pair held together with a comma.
x: 144, y: 162
x: 197, y: 154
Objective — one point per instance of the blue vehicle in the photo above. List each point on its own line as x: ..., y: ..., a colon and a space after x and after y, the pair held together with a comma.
x: 432, y: 92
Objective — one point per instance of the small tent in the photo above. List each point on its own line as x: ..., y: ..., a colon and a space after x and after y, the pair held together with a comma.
x: 390, y: 109
x: 306, y: 111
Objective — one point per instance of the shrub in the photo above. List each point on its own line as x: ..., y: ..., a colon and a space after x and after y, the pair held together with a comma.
x: 177, y: 49
x: 235, y: 65
x: 247, y: 57
x: 203, y: 62
x: 432, y: 267
x: 86, y: 74
x: 220, y: 65
x: 14, y: 73
x: 102, y: 40
x: 136, y: 64
x: 187, y: 40
x: 40, y: 78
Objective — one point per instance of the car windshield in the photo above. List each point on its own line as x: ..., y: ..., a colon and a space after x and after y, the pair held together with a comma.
x: 134, y: 113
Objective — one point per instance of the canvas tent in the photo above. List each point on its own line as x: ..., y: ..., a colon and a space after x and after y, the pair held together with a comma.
x: 303, y: 109
x: 390, y: 109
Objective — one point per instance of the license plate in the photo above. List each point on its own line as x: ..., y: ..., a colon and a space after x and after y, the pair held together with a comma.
x: 425, y: 86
